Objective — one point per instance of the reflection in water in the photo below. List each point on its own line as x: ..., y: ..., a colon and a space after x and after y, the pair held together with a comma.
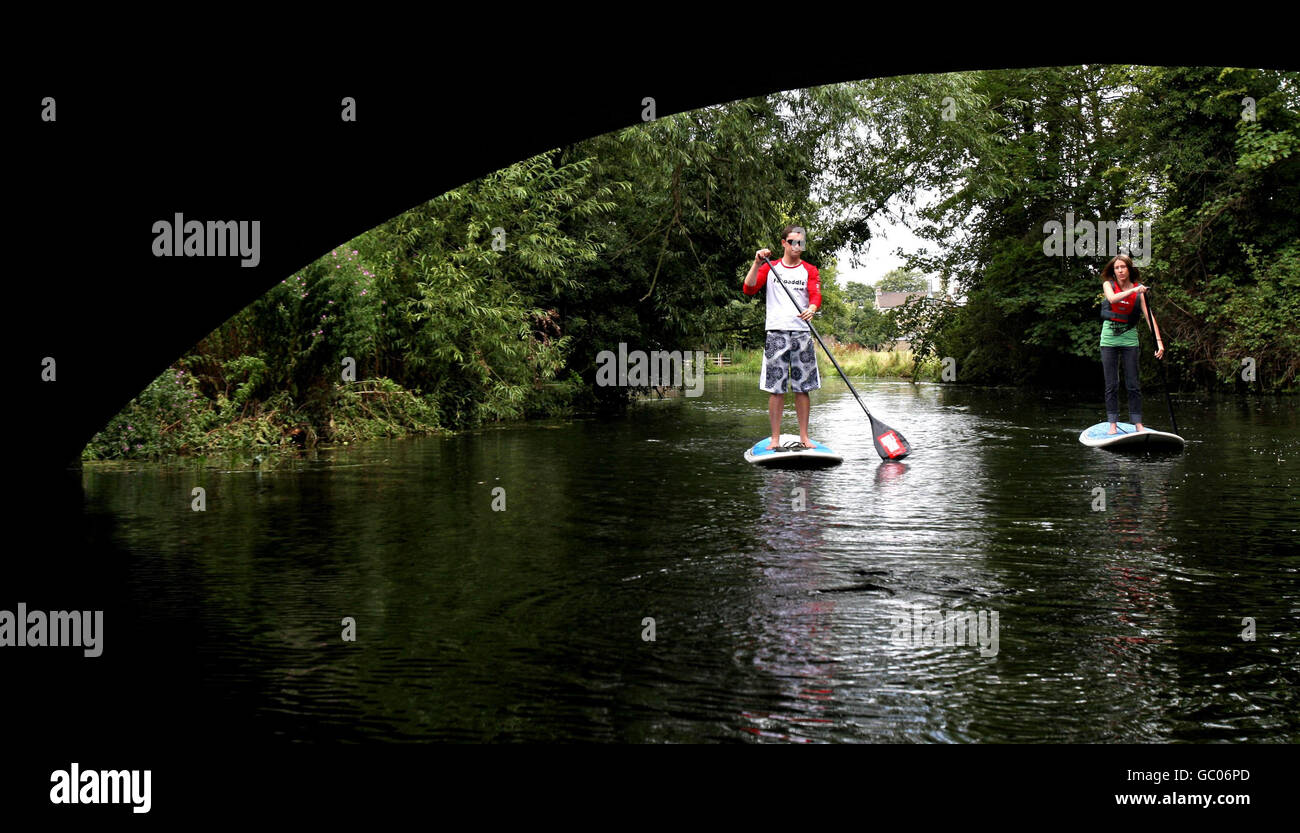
x: 890, y: 470
x: 794, y: 629
x: 1135, y: 522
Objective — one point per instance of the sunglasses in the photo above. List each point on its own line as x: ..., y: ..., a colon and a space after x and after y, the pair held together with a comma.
x: 801, y: 244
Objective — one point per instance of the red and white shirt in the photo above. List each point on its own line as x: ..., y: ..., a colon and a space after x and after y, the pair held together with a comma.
x: 803, y: 283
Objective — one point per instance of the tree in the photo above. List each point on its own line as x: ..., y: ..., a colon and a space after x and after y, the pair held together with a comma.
x: 465, y: 273
x: 860, y: 295
x: 902, y: 280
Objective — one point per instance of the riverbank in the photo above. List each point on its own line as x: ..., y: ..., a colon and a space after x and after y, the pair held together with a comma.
x: 855, y: 360
x: 172, y: 418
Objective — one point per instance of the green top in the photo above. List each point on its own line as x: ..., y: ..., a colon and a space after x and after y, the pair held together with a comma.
x: 1115, y: 334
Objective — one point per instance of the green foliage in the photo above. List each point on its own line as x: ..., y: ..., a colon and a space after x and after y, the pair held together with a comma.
x: 738, y: 322
x: 833, y: 317
x: 866, y: 325
x: 1227, y: 243
x: 379, y: 408
x: 921, y: 321
x: 854, y: 360
x: 146, y: 427
x: 902, y: 280
x: 883, y: 142
x: 860, y: 295
x: 252, y: 370
x: 474, y: 275
x: 1167, y: 145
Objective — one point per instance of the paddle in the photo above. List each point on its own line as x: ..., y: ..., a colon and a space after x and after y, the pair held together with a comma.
x: 890, y: 444
x: 1164, y: 377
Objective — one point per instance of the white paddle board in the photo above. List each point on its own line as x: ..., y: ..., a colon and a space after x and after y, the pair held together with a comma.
x: 1129, y: 438
x: 791, y: 455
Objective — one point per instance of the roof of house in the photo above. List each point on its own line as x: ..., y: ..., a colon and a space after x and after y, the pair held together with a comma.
x: 889, y: 300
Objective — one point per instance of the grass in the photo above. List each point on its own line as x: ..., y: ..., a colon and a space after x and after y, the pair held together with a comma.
x: 856, y: 361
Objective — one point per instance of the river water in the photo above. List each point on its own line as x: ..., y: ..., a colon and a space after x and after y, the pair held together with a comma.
x: 786, y: 606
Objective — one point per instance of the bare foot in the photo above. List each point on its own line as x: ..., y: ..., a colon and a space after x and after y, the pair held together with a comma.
x: 1139, y: 427
x: 1113, y: 429
x: 806, y: 443
x: 776, y: 444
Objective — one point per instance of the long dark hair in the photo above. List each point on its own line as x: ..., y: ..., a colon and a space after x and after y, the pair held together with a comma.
x: 1108, y: 274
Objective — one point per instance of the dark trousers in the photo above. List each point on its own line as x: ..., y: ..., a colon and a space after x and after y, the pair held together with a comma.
x: 1110, y: 360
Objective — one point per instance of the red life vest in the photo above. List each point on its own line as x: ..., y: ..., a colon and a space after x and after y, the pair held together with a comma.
x: 1123, y: 312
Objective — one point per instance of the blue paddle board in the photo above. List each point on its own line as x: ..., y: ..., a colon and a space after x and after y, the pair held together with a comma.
x: 791, y: 455
x: 1129, y: 438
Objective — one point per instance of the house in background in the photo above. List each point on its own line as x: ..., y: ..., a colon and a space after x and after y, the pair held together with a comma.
x: 885, y: 301
x: 889, y: 300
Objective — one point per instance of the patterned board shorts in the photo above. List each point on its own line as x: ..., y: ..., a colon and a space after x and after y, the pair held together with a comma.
x: 790, y: 362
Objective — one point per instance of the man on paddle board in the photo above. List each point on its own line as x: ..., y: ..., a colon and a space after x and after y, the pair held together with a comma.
x: 789, y: 356
x: 1124, y: 306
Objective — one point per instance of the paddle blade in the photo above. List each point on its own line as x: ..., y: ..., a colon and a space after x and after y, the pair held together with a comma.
x: 890, y: 444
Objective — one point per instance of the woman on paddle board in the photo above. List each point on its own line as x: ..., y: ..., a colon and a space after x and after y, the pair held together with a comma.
x: 1124, y: 305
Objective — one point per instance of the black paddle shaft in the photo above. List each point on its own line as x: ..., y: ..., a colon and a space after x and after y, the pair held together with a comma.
x: 1164, y: 377
x: 878, y: 429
